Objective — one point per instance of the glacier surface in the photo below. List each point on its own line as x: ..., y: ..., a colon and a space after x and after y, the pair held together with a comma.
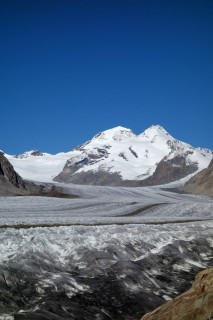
x: 112, y: 253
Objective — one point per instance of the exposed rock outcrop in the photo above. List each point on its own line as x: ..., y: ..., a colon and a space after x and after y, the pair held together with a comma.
x: 194, y: 304
x: 100, y: 178
x: 7, y: 170
x: 10, y: 180
x: 168, y: 170
x: 201, y: 183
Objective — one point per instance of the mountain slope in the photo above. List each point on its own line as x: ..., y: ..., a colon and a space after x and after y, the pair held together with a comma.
x: 202, y: 182
x: 119, y: 157
x: 10, y: 181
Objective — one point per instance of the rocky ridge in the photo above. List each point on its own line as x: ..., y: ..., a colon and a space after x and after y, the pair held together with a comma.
x: 201, y: 183
x: 10, y: 180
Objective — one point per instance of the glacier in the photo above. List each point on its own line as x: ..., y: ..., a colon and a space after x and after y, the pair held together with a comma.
x: 112, y: 253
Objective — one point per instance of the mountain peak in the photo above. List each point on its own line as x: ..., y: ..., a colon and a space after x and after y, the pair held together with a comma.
x: 154, y: 130
x: 157, y: 127
x: 27, y: 154
x: 117, y: 133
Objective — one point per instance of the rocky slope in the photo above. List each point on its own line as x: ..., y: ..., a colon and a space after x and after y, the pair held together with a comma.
x: 194, y: 304
x: 119, y: 157
x: 10, y: 181
x: 202, y: 182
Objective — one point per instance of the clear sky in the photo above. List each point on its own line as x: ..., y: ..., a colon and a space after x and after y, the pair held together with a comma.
x: 73, y: 68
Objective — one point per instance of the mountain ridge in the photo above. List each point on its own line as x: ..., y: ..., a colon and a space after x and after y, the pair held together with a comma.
x: 201, y: 183
x: 117, y: 156
x: 10, y: 181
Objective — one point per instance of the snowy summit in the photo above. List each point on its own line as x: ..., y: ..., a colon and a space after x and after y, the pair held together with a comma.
x: 118, y: 133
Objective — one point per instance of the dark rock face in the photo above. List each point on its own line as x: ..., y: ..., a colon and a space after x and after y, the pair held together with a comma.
x: 201, y: 183
x: 7, y: 170
x: 169, y: 171
x: 9, y: 179
x: 99, y: 178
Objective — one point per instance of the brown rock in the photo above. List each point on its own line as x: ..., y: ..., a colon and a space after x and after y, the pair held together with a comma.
x: 201, y: 183
x: 169, y: 170
x: 166, y: 171
x: 194, y: 304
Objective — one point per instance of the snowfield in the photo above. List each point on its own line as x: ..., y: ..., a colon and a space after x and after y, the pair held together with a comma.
x: 39, y: 168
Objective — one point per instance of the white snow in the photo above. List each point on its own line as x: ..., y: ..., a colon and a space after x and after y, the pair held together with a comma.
x: 40, y: 168
x: 118, y: 133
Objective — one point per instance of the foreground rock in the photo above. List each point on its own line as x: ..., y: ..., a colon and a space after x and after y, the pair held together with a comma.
x: 202, y: 182
x: 194, y: 304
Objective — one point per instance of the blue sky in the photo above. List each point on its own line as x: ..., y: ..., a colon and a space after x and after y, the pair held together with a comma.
x: 72, y: 68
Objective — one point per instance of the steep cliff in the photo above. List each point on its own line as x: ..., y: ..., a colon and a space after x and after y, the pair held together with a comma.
x: 10, y: 181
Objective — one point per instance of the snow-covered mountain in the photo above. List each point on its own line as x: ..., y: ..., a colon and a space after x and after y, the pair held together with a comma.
x: 117, y: 157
